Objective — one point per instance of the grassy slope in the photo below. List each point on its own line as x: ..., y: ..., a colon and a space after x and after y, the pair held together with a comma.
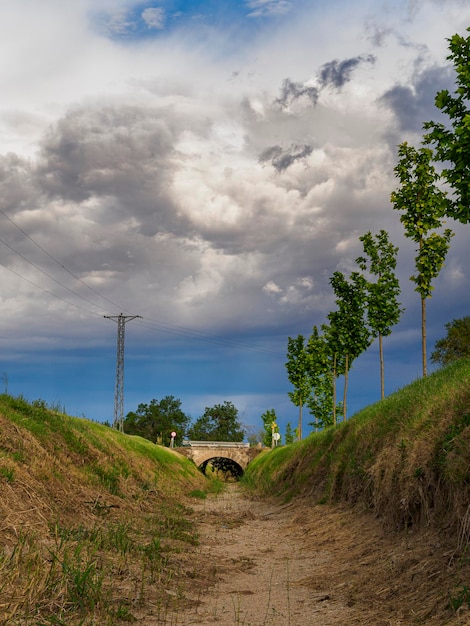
x: 90, y: 518
x: 407, y: 457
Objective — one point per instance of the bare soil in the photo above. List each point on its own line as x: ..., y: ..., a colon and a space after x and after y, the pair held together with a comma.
x: 300, y: 564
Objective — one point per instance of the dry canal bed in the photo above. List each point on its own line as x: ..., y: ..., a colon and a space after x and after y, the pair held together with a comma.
x: 261, y: 563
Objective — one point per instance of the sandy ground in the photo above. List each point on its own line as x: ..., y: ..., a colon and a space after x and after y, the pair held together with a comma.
x: 261, y: 563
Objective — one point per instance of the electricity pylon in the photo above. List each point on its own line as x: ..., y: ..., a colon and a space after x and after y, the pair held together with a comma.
x: 119, y: 389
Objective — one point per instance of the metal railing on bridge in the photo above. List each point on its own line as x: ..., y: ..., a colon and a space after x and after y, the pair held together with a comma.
x: 215, y: 444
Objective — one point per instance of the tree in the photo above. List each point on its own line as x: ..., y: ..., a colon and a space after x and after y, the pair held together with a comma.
x: 219, y: 423
x: 455, y: 345
x: 321, y: 401
x: 347, y: 334
x: 451, y: 144
x: 269, y: 427
x: 423, y: 206
x: 297, y: 372
x: 383, y: 308
x: 156, y: 421
x: 289, y: 435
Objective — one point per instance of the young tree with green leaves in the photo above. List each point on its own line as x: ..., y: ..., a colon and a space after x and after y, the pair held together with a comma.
x: 322, y: 398
x: 156, y: 421
x: 219, y: 423
x: 452, y: 143
x: 289, y: 434
x: 383, y: 308
x: 348, y: 335
x: 336, y: 364
x: 298, y: 373
x: 455, y: 345
x: 423, y: 207
x: 270, y: 426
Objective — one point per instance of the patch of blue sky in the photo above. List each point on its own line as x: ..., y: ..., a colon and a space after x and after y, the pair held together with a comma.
x: 147, y: 20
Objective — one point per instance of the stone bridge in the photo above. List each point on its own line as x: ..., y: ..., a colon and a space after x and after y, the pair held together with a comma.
x: 201, y: 452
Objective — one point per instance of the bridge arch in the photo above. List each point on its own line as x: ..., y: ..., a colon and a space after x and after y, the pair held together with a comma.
x: 234, y: 455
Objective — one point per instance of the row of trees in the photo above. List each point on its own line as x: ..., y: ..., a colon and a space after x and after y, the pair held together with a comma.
x: 367, y: 299
x: 367, y: 308
x: 367, y: 305
x: 157, y: 420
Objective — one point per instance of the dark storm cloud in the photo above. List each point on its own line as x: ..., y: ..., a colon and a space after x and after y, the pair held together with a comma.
x: 332, y: 74
x: 282, y: 158
x: 413, y: 104
x: 119, y: 154
x: 291, y: 91
x: 16, y: 185
x: 338, y: 73
x: 93, y: 151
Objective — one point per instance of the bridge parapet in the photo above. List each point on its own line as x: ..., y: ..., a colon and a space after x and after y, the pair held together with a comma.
x: 214, y: 444
x: 202, y: 451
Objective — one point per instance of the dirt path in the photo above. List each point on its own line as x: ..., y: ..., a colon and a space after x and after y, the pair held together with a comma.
x: 262, y: 558
x: 266, y: 564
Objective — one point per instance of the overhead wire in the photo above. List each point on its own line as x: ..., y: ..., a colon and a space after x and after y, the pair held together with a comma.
x: 149, y: 323
x: 50, y: 293
x: 61, y: 265
x: 202, y: 336
x: 75, y: 293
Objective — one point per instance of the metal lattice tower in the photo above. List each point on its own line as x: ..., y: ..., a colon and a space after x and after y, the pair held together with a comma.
x: 119, y: 389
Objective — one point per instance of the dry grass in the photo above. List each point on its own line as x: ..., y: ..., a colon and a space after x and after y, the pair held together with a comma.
x: 92, y: 521
x: 407, y: 458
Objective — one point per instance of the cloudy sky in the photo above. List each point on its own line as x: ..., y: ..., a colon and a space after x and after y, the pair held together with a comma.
x: 207, y: 165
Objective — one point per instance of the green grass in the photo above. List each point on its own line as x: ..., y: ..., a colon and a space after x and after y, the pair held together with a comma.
x: 97, y: 519
x: 407, y: 457
x: 105, y: 519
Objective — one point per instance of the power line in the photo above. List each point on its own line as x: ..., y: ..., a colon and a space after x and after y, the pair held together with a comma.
x: 75, y: 293
x: 162, y: 326
x: 54, y: 295
x: 182, y: 331
x: 61, y: 265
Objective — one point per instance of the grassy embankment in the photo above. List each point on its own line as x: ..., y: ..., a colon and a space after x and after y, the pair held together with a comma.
x: 93, y: 523
x: 95, y: 527
x: 406, y: 457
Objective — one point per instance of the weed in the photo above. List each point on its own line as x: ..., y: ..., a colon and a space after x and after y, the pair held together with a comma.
x: 216, y: 486
x: 83, y: 578
x: 8, y: 473
x: 108, y: 477
x: 460, y: 598
x: 122, y: 613
x: 198, y: 493
x: 118, y: 538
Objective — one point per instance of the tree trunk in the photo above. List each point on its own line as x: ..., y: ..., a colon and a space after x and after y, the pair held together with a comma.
x: 382, y: 370
x: 334, y: 390
x: 346, y: 377
x: 299, y: 427
x: 423, y: 335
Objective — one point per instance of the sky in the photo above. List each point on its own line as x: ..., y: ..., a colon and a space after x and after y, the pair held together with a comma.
x: 207, y: 165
